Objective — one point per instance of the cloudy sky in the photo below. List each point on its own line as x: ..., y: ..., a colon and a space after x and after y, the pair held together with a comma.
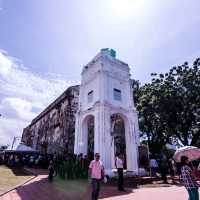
x: 45, y: 43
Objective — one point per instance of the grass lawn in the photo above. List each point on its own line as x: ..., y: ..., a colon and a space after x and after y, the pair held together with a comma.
x: 9, y: 178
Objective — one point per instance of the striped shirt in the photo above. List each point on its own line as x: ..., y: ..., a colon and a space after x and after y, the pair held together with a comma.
x: 186, y: 177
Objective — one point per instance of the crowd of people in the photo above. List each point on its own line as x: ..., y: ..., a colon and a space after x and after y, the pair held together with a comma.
x: 187, y: 171
x: 166, y: 167
x: 25, y: 159
x: 68, y: 166
x: 78, y: 167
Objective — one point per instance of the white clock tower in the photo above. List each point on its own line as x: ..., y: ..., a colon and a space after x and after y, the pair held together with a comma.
x: 106, y: 106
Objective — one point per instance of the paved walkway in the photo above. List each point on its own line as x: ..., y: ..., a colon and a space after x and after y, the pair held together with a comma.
x: 40, y: 189
x: 161, y: 193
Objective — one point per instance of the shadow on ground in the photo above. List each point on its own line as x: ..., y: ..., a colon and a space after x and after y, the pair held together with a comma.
x: 40, y: 188
x: 19, y: 171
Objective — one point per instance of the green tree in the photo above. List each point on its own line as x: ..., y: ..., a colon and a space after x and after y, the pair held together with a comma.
x: 169, y: 107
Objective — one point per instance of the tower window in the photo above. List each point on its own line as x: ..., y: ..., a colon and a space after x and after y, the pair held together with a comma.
x: 90, y: 96
x: 117, y: 94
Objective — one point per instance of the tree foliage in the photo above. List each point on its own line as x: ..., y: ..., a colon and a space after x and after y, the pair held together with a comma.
x: 169, y: 106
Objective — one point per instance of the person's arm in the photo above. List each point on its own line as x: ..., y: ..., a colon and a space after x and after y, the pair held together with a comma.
x: 102, y: 172
x: 116, y: 163
x: 198, y: 167
x: 90, y: 172
x: 191, y: 173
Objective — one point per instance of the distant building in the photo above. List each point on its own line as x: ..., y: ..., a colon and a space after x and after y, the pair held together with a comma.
x: 53, y: 129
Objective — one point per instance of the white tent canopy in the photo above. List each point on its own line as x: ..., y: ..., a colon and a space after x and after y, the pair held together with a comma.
x: 23, y: 147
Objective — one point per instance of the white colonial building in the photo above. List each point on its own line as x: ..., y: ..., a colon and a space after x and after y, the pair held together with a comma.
x: 106, y: 112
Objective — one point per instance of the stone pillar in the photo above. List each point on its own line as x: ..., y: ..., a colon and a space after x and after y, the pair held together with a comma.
x: 77, y: 135
x: 131, y: 145
x: 102, y: 136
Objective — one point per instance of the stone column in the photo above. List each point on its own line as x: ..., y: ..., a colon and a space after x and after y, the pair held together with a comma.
x: 76, y: 142
x: 103, y: 136
x: 131, y: 146
x: 84, y: 137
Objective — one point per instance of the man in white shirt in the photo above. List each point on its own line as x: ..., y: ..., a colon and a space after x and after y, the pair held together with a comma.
x: 96, y: 172
x: 119, y: 165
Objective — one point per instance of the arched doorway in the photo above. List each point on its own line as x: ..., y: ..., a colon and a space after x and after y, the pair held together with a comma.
x: 88, y: 137
x: 90, y: 130
x: 118, y: 136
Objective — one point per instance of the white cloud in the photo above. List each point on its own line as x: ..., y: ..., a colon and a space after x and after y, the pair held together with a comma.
x: 10, y: 127
x: 23, y: 94
x: 17, y: 108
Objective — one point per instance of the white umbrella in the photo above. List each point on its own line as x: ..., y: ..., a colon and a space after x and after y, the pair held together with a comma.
x: 193, y: 153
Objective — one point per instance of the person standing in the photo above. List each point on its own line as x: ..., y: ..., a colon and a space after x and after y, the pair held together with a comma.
x: 153, y: 166
x: 119, y: 163
x: 51, y: 171
x: 188, y: 179
x: 96, y: 172
x: 172, y: 169
x: 163, y: 167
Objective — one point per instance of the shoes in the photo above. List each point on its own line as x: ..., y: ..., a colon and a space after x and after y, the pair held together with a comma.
x: 122, y: 190
x: 165, y: 182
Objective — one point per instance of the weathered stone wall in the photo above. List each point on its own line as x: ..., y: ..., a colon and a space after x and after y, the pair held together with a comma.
x: 53, y: 129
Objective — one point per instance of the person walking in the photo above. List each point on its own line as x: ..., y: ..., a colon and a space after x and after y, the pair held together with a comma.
x: 163, y: 167
x: 119, y: 163
x: 188, y: 179
x: 153, y: 166
x: 172, y: 169
x: 51, y: 171
x: 96, y: 172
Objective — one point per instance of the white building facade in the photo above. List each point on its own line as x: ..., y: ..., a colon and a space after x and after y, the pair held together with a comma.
x: 106, y: 91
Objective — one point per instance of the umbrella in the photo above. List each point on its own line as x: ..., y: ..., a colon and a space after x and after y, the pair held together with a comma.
x: 193, y: 153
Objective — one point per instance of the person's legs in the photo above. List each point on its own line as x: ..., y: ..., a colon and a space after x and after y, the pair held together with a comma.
x: 97, y: 189
x: 163, y: 174
x: 194, y: 194
x: 120, y: 179
x: 50, y: 177
x: 152, y: 171
x: 118, y: 171
x: 94, y: 189
x: 190, y: 194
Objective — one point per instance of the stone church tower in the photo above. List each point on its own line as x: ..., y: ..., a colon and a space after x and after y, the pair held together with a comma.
x: 106, y: 112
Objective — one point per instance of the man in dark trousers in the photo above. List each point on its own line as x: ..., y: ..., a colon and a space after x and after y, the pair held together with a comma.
x: 163, y: 167
x: 96, y: 172
x: 51, y: 171
x: 119, y: 165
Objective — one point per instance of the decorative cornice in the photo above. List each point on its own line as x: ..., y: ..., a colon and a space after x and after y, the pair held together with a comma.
x: 102, y: 57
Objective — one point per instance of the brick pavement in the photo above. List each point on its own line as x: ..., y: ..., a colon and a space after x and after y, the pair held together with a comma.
x: 40, y: 189
x: 161, y: 193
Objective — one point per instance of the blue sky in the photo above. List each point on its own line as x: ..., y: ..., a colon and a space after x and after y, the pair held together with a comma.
x: 45, y: 44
